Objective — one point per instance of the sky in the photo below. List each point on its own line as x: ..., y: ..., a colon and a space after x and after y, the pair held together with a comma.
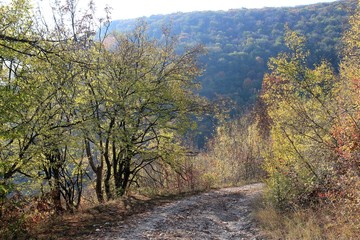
x: 124, y: 9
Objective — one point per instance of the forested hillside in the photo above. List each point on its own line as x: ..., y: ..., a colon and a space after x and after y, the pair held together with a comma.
x: 240, y: 41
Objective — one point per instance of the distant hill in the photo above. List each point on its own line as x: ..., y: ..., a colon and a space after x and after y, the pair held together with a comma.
x: 240, y: 41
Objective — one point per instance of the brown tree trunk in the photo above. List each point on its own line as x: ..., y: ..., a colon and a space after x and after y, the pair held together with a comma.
x: 98, y: 171
x: 108, y: 170
x: 98, y: 187
x: 122, y: 176
x: 55, y: 165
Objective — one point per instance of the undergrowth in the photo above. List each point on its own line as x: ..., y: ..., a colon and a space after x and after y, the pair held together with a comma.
x: 317, y: 222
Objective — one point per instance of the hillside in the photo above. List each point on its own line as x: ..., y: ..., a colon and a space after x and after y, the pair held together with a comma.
x: 240, y: 41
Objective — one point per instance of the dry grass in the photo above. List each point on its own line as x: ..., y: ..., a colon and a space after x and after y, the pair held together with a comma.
x: 298, y: 225
x: 324, y: 222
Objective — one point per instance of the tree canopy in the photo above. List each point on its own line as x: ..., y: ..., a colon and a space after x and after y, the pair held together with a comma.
x: 241, y: 41
x: 78, y: 109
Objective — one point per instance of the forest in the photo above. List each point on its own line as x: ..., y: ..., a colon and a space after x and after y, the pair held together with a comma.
x: 94, y: 111
x: 239, y: 42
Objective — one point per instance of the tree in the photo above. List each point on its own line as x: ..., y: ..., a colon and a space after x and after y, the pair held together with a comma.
x: 68, y: 96
x: 141, y: 101
x: 346, y: 130
x: 300, y: 104
x: 64, y: 164
x: 41, y: 82
x: 18, y: 47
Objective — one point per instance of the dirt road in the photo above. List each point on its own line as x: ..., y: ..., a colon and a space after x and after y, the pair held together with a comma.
x: 220, y: 214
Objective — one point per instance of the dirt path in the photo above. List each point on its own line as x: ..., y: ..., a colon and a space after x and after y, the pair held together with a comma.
x: 220, y: 214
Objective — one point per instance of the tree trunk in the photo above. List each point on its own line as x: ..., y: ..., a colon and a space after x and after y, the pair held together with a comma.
x: 98, y: 171
x: 122, y: 176
x: 98, y: 188
x: 107, y: 180
x: 56, y: 192
x: 55, y: 165
x: 108, y: 171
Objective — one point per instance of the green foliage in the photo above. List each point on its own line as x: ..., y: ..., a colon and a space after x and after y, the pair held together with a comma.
x: 241, y: 41
x: 314, y: 134
x: 144, y: 95
x: 300, y: 103
x: 16, y: 127
x: 72, y: 107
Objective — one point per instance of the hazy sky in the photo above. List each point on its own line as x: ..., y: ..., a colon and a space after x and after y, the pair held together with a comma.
x: 138, y: 8
x: 123, y: 9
